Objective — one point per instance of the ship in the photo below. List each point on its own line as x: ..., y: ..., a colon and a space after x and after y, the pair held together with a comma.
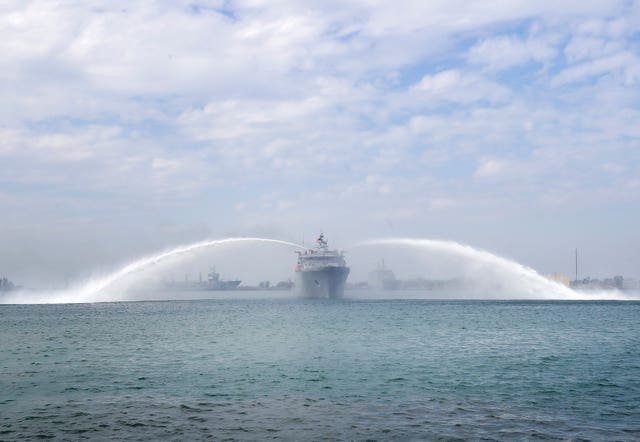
x: 213, y: 282
x: 320, y: 272
x: 383, y: 278
x: 7, y: 286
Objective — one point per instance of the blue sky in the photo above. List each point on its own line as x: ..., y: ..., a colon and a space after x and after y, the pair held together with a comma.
x: 128, y: 127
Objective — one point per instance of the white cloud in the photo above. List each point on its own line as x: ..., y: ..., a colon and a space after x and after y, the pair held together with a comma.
x: 507, y: 51
x: 625, y: 63
x: 613, y: 168
x: 461, y: 87
x: 492, y: 168
x: 442, y: 82
x: 234, y: 118
x: 582, y: 48
x: 62, y: 145
x: 9, y: 140
x: 442, y: 203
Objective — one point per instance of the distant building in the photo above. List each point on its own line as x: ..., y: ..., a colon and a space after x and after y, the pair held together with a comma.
x: 618, y: 282
x: 284, y: 285
x: 631, y: 284
x: 615, y: 283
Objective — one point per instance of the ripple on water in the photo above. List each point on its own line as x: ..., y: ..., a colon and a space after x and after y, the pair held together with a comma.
x: 254, y: 370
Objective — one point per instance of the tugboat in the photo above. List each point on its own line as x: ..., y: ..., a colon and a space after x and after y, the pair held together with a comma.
x: 215, y: 283
x: 320, y: 272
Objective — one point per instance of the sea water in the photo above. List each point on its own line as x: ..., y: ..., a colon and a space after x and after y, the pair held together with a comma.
x: 280, y: 368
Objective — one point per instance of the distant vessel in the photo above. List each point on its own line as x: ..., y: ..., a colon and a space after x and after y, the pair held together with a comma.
x: 383, y: 278
x: 213, y: 282
x: 320, y: 272
x: 7, y: 286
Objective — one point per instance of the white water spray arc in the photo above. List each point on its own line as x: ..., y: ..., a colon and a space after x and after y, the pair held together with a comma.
x: 90, y: 290
x: 519, y: 281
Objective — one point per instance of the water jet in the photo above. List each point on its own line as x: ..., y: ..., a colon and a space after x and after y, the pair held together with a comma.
x: 90, y: 291
x: 494, y: 276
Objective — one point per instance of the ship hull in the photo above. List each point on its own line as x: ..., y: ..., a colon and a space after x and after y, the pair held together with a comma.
x: 327, y: 282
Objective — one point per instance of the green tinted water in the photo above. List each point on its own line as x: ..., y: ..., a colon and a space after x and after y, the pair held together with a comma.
x: 302, y: 369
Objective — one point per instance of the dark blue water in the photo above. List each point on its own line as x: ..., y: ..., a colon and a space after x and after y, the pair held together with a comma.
x: 331, y: 370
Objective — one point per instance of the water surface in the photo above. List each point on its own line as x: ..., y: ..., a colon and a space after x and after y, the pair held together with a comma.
x: 256, y: 369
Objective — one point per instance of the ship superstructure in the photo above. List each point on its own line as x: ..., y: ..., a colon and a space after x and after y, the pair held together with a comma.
x: 7, y: 286
x: 320, y: 272
x: 215, y: 283
x: 383, y: 278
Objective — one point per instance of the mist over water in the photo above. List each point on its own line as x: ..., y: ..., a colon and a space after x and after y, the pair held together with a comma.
x: 484, y: 275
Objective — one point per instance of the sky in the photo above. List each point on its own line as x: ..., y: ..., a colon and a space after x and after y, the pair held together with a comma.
x: 127, y: 127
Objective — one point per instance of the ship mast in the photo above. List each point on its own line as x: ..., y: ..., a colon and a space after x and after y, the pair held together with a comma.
x: 322, y: 243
